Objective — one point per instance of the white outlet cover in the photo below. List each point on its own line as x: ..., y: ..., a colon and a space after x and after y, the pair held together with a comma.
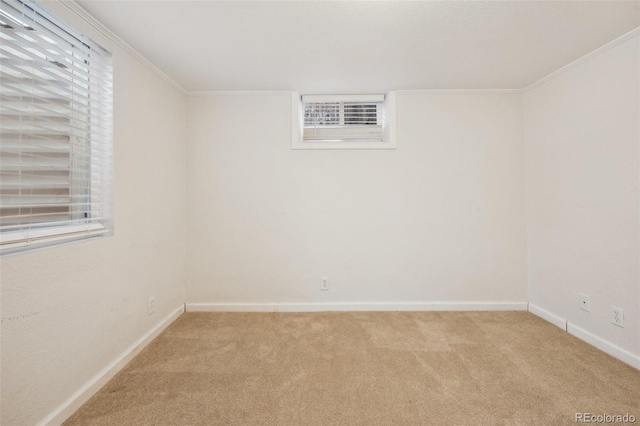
x: 617, y: 316
x: 325, y: 284
x: 584, y: 302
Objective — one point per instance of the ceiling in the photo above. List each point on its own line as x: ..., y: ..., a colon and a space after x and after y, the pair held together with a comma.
x: 363, y: 46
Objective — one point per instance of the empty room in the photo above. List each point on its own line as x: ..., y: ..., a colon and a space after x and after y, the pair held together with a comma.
x: 319, y: 212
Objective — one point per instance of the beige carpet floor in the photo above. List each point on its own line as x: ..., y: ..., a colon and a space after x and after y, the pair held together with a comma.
x: 357, y: 368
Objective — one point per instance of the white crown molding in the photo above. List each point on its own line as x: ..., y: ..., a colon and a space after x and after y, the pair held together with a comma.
x: 83, y: 14
x: 89, y: 19
x: 204, y: 93
x: 602, y: 49
x: 460, y: 92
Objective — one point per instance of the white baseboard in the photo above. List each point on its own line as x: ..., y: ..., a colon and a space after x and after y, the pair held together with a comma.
x: 586, y: 336
x: 82, y: 395
x: 548, y: 316
x: 356, y: 306
x: 605, y: 345
x: 66, y: 409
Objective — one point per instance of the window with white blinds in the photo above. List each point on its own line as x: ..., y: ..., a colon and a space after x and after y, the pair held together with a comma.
x: 344, y: 122
x: 344, y: 118
x: 55, y: 131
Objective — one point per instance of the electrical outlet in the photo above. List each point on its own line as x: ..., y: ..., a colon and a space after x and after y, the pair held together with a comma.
x: 584, y: 302
x: 152, y: 305
x: 325, y: 284
x: 617, y: 316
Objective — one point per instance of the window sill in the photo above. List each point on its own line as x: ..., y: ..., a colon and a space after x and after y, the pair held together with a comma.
x: 32, y: 239
x: 342, y: 145
x: 298, y: 142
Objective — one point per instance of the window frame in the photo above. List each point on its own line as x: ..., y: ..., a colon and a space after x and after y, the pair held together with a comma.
x: 389, y: 120
x: 98, y: 185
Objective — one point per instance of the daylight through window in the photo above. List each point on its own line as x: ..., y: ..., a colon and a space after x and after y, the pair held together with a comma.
x: 343, y: 118
x: 55, y: 129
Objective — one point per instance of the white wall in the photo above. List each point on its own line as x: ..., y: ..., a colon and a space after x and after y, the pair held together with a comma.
x: 67, y: 312
x: 439, y: 219
x: 442, y: 218
x: 582, y: 135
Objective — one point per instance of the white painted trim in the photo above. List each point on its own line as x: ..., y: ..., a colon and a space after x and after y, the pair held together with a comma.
x: 343, y: 98
x: 356, y: 306
x: 198, y: 93
x: 604, y: 345
x: 391, y: 106
x: 82, y: 13
x: 362, y: 145
x: 548, y: 316
x: 586, y: 336
x: 82, y: 395
x: 389, y: 142
x: 461, y: 92
x: 296, y: 119
x: 73, y: 7
x: 602, y: 49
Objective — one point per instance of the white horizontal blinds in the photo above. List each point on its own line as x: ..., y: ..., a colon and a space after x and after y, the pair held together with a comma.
x: 55, y: 129
x: 343, y: 118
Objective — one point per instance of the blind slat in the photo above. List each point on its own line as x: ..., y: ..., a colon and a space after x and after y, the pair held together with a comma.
x: 55, y: 130
x: 39, y: 19
x: 343, y: 118
x: 44, y: 225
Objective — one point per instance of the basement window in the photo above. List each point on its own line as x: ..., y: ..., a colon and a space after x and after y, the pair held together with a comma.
x: 344, y: 122
x: 56, y: 130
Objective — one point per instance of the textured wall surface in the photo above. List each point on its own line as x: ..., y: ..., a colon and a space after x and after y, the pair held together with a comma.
x: 583, y: 135
x: 67, y: 312
x: 442, y: 218
x: 439, y: 219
